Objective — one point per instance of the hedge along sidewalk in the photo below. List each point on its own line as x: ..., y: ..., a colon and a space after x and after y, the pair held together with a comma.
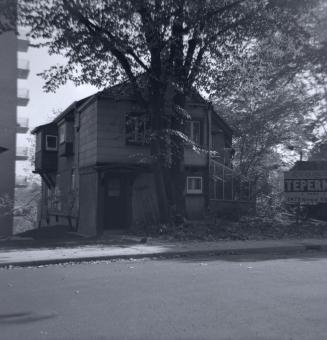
x: 37, y: 257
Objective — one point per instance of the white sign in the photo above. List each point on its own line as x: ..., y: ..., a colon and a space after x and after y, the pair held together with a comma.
x: 306, y: 187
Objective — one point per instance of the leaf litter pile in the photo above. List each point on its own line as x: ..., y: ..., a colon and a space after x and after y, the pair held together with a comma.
x: 282, y: 226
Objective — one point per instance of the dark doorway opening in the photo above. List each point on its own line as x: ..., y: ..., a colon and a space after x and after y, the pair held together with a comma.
x: 117, y: 203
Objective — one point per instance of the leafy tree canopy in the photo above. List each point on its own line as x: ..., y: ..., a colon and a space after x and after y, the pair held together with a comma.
x: 242, y: 51
x: 110, y: 40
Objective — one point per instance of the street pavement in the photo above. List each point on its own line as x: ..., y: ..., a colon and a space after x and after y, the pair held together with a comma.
x: 78, y: 253
x: 247, y: 297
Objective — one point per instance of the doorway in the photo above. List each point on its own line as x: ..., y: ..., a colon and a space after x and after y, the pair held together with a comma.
x: 116, y: 203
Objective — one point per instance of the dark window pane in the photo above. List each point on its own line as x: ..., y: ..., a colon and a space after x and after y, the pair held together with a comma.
x: 51, y: 142
x: 197, y: 183
x: 136, y: 128
x: 196, y: 132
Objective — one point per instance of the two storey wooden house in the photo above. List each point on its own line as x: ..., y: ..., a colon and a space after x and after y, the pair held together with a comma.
x: 95, y: 164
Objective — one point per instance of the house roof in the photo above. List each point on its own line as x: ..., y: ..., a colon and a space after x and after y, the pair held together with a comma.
x: 120, y: 91
x: 310, y: 165
x: 63, y: 114
x: 124, y: 91
x: 38, y: 128
x: 69, y: 109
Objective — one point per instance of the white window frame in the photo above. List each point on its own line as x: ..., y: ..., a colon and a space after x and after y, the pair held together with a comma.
x: 189, y: 189
x: 46, y: 143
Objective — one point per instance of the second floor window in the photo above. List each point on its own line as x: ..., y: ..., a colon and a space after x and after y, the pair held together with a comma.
x: 193, y: 130
x: 51, y: 143
x: 136, y: 128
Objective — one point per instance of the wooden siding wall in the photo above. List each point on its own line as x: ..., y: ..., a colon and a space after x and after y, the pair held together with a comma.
x: 191, y: 157
x: 88, y: 135
x: 65, y: 167
x: 88, y: 198
x: 111, y: 143
x: 195, y: 203
x: 46, y: 161
x: 102, y: 135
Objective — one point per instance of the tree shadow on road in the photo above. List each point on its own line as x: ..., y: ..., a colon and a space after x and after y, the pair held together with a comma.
x: 24, y: 317
x: 312, y: 255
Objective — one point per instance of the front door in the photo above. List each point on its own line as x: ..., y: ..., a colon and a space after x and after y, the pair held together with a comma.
x: 115, y: 204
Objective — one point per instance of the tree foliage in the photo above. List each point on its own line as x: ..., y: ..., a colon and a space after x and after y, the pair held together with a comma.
x: 8, y: 15
x: 177, y: 44
x: 272, y: 91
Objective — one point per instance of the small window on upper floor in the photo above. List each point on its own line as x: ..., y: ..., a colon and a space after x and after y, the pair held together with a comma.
x: 51, y: 143
x: 193, y: 130
x: 136, y: 128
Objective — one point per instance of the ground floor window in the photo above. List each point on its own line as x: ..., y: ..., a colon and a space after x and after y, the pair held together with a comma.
x: 194, y: 185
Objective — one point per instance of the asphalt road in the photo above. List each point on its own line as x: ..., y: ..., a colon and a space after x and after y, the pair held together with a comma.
x: 209, y: 298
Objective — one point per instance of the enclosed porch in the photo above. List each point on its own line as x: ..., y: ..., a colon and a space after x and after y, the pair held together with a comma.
x: 230, y: 194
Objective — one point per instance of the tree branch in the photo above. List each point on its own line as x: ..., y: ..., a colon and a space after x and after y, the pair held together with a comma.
x: 112, y: 47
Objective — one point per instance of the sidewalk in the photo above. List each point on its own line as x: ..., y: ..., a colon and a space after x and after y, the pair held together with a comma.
x: 97, y: 252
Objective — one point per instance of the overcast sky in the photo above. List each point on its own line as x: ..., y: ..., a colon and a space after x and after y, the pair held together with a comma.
x: 42, y: 104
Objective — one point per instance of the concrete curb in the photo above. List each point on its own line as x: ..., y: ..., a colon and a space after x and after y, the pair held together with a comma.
x: 283, y: 250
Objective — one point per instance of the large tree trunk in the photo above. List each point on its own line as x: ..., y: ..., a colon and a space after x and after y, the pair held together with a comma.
x: 177, y: 166
x: 159, y: 178
x: 177, y: 121
x: 158, y: 149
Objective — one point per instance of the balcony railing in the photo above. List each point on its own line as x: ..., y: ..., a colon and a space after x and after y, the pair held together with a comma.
x: 21, y: 153
x: 23, y: 40
x: 23, y: 69
x: 22, y: 97
x: 22, y: 125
